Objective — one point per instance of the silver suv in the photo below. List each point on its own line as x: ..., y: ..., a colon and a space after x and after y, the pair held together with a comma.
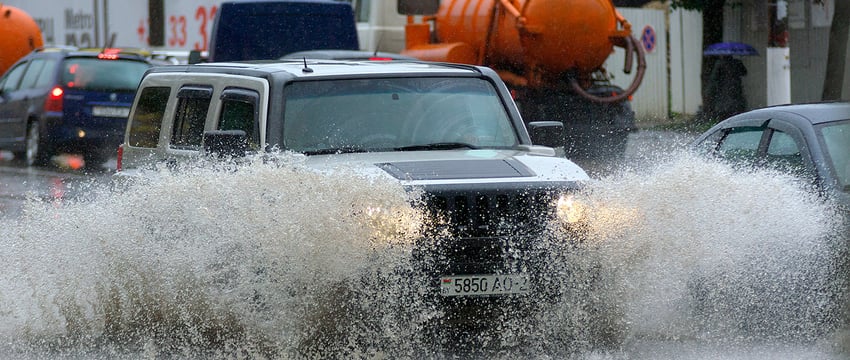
x: 451, y: 131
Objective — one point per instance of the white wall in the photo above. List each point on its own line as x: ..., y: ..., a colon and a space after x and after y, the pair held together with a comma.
x: 685, y: 61
x: 650, y: 102
x: 98, y: 23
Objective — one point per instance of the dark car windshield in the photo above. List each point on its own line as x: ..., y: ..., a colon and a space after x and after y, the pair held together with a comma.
x: 399, y: 114
x: 101, y: 74
x: 836, y: 142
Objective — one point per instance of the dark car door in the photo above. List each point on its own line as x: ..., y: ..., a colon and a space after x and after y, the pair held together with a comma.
x: 13, y: 107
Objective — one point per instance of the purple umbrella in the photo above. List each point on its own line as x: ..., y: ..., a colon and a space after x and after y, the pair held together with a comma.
x: 730, y: 48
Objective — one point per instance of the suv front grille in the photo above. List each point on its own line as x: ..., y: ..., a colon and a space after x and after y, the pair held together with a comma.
x: 486, y: 232
x: 490, y: 214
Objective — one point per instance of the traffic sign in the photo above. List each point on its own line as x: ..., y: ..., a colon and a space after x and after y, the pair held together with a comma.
x: 648, y: 38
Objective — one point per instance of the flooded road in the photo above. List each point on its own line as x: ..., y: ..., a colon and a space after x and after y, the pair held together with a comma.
x: 700, y: 262
x: 19, y: 183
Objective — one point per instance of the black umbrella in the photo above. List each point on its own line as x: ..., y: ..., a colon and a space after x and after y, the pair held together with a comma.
x: 730, y: 48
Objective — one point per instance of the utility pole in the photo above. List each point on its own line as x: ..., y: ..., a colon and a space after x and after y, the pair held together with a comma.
x: 156, y: 26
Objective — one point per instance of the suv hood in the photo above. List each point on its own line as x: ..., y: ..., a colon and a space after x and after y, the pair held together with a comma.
x: 447, y: 167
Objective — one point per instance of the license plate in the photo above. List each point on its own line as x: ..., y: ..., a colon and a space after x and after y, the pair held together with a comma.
x: 475, y: 285
x: 110, y: 111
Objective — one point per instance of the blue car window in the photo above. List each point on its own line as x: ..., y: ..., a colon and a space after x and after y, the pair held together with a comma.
x: 48, y: 73
x: 33, y: 73
x: 95, y: 74
x: 13, y: 78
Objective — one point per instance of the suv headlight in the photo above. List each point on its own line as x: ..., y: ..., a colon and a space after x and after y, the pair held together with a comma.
x: 391, y: 226
x: 569, y: 209
x: 595, y: 219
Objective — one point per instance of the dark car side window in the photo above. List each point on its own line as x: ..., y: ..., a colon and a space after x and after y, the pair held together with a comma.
x: 147, y: 119
x: 192, y: 107
x: 783, y: 153
x: 741, y: 144
x: 13, y: 78
x: 836, y: 141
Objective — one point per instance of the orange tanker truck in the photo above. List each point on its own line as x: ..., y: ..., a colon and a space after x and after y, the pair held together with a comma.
x: 19, y: 35
x: 550, y: 52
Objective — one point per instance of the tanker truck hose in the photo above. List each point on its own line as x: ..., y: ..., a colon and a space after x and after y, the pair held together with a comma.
x: 632, y: 48
x: 627, y: 66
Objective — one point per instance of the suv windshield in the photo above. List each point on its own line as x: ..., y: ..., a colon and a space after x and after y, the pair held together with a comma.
x: 97, y: 74
x: 394, y: 114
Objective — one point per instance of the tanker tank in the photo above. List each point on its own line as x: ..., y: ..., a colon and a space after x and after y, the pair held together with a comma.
x: 19, y: 35
x: 551, y: 53
x: 586, y: 24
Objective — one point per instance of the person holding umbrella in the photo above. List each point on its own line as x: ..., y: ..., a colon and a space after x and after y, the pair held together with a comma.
x: 724, y: 92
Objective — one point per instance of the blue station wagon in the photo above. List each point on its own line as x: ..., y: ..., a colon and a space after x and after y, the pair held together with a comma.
x: 57, y: 100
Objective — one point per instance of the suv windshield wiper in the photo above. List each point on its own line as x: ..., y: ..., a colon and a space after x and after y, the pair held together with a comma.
x: 337, y: 150
x: 437, y: 146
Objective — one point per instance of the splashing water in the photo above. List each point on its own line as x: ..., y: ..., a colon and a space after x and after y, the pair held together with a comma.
x: 228, y: 259
x: 710, y: 252
x: 268, y: 260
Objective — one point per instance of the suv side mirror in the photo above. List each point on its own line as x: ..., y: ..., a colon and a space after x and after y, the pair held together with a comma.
x: 547, y: 133
x: 226, y: 142
x: 417, y: 7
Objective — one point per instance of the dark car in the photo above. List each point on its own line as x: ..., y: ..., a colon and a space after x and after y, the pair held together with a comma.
x: 58, y: 100
x: 811, y: 141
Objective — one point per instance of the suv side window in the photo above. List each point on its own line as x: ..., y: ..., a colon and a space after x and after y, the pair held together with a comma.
x: 239, y: 112
x: 13, y: 78
x: 147, y: 119
x: 193, y: 102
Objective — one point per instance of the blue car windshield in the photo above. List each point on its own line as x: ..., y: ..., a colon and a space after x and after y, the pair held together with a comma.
x: 399, y: 114
x: 88, y: 73
x: 836, y: 141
